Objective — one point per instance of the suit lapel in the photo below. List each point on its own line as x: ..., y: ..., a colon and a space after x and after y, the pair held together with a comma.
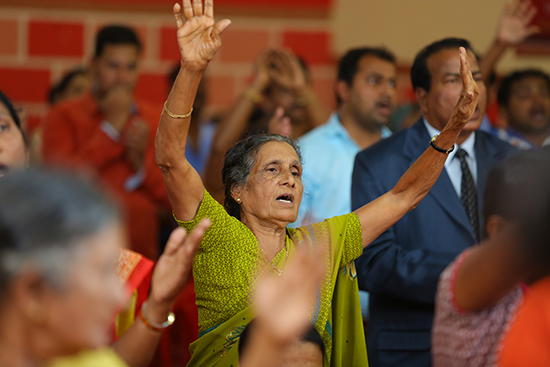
x: 486, y: 156
x: 442, y: 191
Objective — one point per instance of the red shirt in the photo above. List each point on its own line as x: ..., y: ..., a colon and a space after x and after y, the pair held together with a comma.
x: 72, y: 135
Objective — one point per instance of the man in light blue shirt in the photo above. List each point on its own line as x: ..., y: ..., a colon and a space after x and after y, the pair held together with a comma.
x: 365, y: 91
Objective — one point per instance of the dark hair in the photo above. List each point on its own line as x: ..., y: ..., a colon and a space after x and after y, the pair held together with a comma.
x: 505, y: 88
x: 518, y: 189
x: 420, y: 74
x: 6, y: 102
x: 43, y: 218
x: 239, y: 161
x: 60, y: 87
x: 115, y: 35
x: 310, y: 336
x: 349, y: 63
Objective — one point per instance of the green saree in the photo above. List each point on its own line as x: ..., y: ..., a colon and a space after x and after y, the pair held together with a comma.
x: 225, y: 269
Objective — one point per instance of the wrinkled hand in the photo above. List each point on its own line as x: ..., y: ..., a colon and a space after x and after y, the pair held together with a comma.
x: 280, y: 124
x: 174, y: 265
x: 284, y: 304
x: 514, y: 23
x: 115, y: 106
x: 198, y: 36
x: 287, y: 71
x: 135, y: 142
x: 467, y: 101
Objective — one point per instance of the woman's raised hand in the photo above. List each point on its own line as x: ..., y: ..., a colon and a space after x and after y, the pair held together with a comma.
x: 198, y: 35
x: 467, y: 102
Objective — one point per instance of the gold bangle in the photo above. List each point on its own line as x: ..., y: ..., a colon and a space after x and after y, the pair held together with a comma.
x: 153, y: 325
x: 253, y: 95
x: 174, y: 116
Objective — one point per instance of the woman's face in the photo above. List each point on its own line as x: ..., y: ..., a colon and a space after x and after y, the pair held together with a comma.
x: 79, y: 314
x: 273, y: 191
x: 13, y: 153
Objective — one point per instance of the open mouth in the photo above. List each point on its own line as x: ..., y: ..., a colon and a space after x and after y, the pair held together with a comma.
x: 286, y: 198
x: 384, y: 107
x: 537, y: 113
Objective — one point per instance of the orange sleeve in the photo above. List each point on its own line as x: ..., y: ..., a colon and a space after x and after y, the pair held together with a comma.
x: 528, y: 339
x: 60, y: 142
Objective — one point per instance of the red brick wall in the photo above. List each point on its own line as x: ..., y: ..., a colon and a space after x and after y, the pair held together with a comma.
x: 38, y: 45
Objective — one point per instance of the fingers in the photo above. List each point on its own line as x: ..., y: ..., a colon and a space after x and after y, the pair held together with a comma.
x: 176, y: 239
x: 177, y: 15
x: 197, y: 7
x: 209, y: 8
x: 220, y: 27
x: 188, y: 12
x: 465, y: 68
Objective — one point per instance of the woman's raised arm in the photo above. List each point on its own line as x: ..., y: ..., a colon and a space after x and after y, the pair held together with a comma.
x: 198, y: 40
x: 416, y: 182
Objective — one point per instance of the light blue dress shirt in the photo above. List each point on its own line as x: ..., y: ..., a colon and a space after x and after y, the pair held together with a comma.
x: 452, y: 164
x: 328, y: 153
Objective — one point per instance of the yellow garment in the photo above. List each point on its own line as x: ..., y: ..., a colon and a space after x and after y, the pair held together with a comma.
x: 225, y: 270
x: 95, y: 358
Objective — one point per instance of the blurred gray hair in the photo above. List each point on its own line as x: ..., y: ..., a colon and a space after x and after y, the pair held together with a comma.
x: 45, y: 219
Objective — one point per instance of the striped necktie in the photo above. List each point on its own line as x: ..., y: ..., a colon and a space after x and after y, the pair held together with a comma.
x: 468, y: 193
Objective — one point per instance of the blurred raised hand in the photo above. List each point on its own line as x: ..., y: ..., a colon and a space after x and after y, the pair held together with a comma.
x: 515, y: 23
x: 197, y: 33
x: 284, y: 305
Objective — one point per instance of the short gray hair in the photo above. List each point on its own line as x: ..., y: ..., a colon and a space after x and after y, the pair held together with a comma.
x: 240, y: 159
x: 45, y: 218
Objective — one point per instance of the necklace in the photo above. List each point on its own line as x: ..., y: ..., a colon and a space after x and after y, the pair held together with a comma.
x: 270, y: 263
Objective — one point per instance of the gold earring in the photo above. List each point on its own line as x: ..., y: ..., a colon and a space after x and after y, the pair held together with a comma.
x: 238, y: 201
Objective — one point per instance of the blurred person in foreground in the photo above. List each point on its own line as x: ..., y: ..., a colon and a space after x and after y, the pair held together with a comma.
x: 65, y: 202
x: 262, y: 178
x: 479, y: 292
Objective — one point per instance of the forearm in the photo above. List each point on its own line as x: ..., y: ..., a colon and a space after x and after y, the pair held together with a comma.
x: 172, y: 132
x: 488, y: 273
x: 139, y: 344
x: 491, y: 57
x: 170, y: 144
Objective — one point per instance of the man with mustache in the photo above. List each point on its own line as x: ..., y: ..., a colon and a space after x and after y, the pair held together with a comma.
x: 524, y: 100
x: 365, y: 92
x: 400, y: 269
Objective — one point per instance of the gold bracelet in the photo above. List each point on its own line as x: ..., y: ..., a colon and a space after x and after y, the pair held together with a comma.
x: 253, y: 95
x: 174, y: 116
x: 153, y: 325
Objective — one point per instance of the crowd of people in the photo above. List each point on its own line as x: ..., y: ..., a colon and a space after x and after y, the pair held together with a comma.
x: 313, y: 238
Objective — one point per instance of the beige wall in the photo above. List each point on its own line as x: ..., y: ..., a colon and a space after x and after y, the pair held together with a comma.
x: 405, y: 26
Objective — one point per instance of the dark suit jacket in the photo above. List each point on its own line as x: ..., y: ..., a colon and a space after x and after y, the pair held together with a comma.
x: 401, y: 268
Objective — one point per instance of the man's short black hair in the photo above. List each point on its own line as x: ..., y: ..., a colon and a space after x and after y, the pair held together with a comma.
x: 505, y: 88
x: 420, y: 75
x: 349, y: 63
x: 115, y: 35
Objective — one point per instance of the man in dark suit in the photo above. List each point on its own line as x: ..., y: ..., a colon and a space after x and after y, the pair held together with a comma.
x: 401, y: 267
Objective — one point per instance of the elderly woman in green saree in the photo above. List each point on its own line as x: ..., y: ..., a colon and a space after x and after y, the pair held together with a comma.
x: 263, y: 191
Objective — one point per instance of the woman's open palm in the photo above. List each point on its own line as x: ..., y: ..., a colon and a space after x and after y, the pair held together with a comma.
x: 198, y: 35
